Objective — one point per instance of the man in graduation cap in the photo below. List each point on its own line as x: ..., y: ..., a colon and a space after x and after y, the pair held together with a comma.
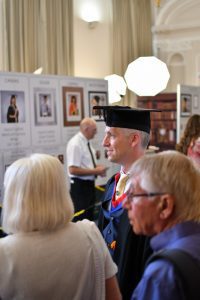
x: 126, y: 138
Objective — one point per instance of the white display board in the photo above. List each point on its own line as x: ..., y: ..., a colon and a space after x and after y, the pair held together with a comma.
x: 45, y: 111
x: 188, y: 104
x: 47, y: 117
x: 14, y: 135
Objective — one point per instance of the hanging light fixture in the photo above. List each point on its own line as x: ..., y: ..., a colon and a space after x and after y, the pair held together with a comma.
x: 90, y: 14
x: 116, y: 88
x: 147, y: 76
x: 38, y: 71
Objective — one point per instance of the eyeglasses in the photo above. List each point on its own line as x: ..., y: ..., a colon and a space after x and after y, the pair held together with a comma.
x: 130, y: 196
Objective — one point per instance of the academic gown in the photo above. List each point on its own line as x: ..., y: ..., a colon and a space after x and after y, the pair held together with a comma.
x: 131, y: 250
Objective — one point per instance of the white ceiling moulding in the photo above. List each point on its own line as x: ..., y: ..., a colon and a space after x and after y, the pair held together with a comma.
x: 176, y: 10
x: 173, y: 27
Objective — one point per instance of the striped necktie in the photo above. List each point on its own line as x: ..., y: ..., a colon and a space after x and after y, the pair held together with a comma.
x: 92, y: 157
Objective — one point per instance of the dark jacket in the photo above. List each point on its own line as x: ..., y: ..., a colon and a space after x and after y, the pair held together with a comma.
x: 131, y: 250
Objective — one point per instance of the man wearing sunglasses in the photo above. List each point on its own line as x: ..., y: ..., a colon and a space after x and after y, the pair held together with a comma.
x: 126, y: 139
x: 163, y: 201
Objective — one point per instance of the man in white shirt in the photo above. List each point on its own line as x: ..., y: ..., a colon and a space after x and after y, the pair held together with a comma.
x: 82, y: 168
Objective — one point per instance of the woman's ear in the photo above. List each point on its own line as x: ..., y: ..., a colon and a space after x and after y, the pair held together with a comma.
x: 166, y: 206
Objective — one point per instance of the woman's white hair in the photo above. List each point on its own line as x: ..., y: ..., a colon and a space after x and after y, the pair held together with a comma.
x: 172, y: 173
x: 36, y: 197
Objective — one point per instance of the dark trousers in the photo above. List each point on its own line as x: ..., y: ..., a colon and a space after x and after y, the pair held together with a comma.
x: 83, y: 197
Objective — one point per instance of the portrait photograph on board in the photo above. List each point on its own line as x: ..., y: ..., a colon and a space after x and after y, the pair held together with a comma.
x: 45, y: 109
x: 12, y: 107
x: 96, y: 98
x: 73, y: 111
x: 186, y: 105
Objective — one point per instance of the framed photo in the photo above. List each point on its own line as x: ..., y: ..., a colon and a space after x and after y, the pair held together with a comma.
x: 45, y: 108
x: 186, y: 105
x: 196, y: 102
x: 73, y: 111
x: 12, y: 107
x: 96, y: 98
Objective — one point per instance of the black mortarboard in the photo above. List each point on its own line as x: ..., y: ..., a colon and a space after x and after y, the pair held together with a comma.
x: 126, y: 117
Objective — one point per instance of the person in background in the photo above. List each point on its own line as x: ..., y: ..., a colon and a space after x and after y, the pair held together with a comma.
x: 126, y: 139
x: 190, y: 141
x: 45, y: 255
x: 163, y: 202
x: 13, y: 112
x: 82, y: 168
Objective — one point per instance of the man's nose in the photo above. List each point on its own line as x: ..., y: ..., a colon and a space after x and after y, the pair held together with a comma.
x: 105, y: 142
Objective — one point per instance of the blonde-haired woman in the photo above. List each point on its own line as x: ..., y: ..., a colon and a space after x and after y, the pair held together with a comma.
x: 45, y: 255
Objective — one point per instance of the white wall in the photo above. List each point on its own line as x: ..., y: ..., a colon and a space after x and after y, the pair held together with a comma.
x: 92, y: 47
x: 176, y: 39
